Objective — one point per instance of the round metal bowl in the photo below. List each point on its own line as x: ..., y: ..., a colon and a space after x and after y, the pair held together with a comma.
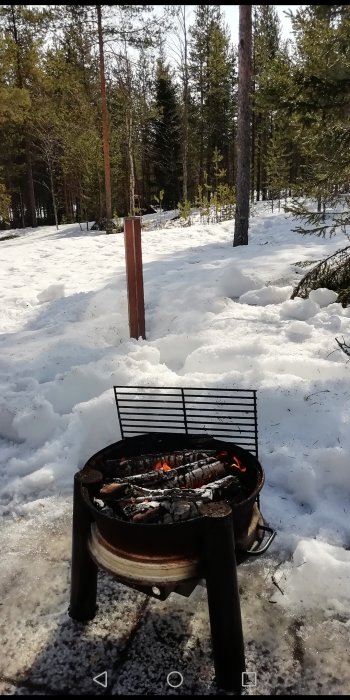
x: 180, y: 538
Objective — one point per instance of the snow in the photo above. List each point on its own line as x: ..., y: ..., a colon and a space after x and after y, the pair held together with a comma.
x: 54, y: 291
x: 215, y: 316
x: 266, y: 295
x: 302, y: 309
x: 322, y: 296
x: 315, y: 565
x: 234, y: 283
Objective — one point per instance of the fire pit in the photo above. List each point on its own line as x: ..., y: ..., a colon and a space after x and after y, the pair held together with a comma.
x: 162, y: 510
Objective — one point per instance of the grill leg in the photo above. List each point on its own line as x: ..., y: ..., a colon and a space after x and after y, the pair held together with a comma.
x: 223, y: 597
x: 84, y: 570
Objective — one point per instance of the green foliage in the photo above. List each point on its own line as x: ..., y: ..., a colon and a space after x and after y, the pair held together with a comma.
x: 165, y: 139
x: 159, y: 199
x: 50, y: 114
x: 212, y: 69
x: 185, y: 212
x: 14, y: 105
x: 4, y: 202
x: 333, y: 273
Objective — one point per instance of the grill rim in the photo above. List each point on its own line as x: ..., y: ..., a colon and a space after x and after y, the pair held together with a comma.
x: 107, y: 519
x: 181, y: 537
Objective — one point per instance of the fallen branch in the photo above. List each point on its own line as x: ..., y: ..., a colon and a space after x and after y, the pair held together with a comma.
x: 343, y: 346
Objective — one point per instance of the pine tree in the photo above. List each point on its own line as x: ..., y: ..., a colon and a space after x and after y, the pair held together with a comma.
x: 69, y: 88
x: 22, y: 33
x: 320, y: 108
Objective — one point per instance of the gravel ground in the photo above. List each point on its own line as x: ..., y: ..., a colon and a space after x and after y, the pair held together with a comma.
x: 139, y: 640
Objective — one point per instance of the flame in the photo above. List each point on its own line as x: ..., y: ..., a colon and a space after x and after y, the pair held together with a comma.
x: 162, y: 466
x: 222, y: 454
x: 237, y: 465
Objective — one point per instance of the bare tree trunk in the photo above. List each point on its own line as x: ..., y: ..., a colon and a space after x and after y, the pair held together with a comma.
x: 201, y: 147
x: 264, y: 195
x: 30, y: 182
x: 53, y: 196
x: 21, y: 206
x: 253, y: 158
x: 129, y: 131
x: 243, y: 126
x: 253, y: 117
x: 258, y: 160
x: 131, y: 163
x: 185, y: 132
x: 105, y: 126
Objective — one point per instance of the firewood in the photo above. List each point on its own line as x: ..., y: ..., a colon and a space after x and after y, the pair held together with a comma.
x: 179, y: 476
x: 137, y: 465
x: 213, y: 491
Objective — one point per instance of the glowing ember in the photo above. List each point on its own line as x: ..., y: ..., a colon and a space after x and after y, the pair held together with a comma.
x: 237, y: 465
x: 161, y: 466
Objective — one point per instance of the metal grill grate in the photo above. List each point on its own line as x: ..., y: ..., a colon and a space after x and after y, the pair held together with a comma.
x: 229, y: 414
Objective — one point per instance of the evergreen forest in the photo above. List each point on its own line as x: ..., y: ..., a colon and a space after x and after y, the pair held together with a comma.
x: 169, y: 77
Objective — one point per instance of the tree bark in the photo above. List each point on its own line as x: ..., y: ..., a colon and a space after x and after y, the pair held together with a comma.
x: 185, y: 132
x: 53, y: 196
x: 129, y: 131
x: 131, y: 162
x: 21, y: 206
x: 243, y: 126
x: 105, y: 125
x: 258, y: 160
x: 30, y: 182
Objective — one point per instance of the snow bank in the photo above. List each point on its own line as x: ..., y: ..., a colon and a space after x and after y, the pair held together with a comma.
x: 322, y: 296
x: 36, y: 423
x: 234, y: 283
x: 301, y: 309
x: 54, y: 291
x: 298, y: 331
x: 319, y: 576
x: 266, y: 295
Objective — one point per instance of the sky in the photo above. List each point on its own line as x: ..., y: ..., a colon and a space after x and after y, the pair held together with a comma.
x: 231, y: 13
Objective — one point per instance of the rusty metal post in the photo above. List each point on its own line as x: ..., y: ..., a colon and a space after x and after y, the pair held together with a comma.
x: 134, y: 276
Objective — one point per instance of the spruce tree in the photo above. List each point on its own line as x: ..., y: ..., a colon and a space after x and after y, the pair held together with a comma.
x: 266, y: 45
x: 166, y: 146
x: 213, y: 84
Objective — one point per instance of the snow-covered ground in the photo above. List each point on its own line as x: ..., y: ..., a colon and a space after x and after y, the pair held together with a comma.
x: 215, y: 316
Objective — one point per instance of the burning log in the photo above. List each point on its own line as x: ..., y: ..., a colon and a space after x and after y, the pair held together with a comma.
x: 166, y: 488
x: 214, y: 491
x: 188, y: 475
x: 137, y: 465
x: 164, y: 512
x: 173, y: 505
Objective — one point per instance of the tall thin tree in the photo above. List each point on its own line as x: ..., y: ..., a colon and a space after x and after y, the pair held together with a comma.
x: 105, y: 125
x: 243, y: 126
